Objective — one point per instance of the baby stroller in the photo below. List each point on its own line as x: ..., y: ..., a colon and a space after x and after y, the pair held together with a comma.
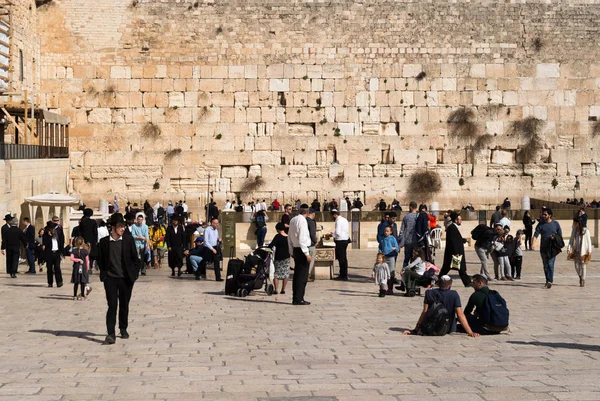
x: 251, y: 274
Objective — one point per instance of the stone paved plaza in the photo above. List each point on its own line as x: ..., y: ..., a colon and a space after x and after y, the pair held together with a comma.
x: 190, y: 342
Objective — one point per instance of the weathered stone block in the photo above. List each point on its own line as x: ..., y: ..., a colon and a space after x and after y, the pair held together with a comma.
x: 266, y: 157
x: 505, y: 169
x: 503, y: 157
x: 234, y: 172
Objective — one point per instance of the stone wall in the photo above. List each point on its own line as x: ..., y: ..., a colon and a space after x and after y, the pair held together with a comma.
x: 325, y: 98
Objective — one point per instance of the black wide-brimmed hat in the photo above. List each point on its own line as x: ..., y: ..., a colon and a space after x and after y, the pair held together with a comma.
x: 115, y: 219
x: 8, y: 217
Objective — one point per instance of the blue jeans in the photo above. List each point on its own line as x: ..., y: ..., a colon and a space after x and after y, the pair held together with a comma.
x: 548, y: 266
x: 195, y: 261
x: 261, y: 233
x: 30, y: 259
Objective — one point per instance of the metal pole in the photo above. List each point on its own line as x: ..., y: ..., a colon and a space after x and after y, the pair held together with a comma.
x: 207, y: 197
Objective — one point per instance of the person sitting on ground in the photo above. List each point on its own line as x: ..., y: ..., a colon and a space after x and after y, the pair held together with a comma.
x: 436, y: 322
x: 196, y: 256
x: 414, y: 269
x: 477, y: 311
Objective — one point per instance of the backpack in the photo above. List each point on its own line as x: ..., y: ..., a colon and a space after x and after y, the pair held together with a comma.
x: 260, y: 221
x: 494, y: 314
x: 479, y: 231
x: 437, y: 321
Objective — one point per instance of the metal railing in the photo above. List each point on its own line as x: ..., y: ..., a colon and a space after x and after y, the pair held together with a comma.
x: 11, y: 151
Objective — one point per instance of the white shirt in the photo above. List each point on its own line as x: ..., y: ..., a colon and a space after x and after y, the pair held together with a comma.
x: 102, y: 232
x: 505, y: 221
x: 341, y: 232
x: 228, y: 206
x: 54, y: 244
x: 211, y: 236
x: 248, y: 209
x: 185, y: 207
x: 298, y: 235
x: 263, y: 206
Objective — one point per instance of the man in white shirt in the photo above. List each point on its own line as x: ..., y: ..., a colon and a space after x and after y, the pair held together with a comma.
x: 341, y: 236
x: 299, y: 242
x: 211, y: 239
x: 263, y: 205
x: 228, y: 205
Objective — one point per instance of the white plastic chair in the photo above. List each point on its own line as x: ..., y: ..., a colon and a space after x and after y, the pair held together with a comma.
x: 436, y: 237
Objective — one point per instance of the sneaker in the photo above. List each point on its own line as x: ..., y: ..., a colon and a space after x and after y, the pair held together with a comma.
x: 110, y: 339
x: 548, y: 285
x: 88, y: 289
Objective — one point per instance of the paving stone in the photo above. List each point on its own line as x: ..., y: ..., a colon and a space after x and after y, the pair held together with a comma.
x: 190, y: 342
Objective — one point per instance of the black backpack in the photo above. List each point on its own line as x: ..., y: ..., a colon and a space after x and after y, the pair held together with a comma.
x: 438, y: 319
x: 494, y: 313
x: 479, y: 231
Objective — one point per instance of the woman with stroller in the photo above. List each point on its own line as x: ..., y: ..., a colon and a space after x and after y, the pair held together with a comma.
x: 282, y: 257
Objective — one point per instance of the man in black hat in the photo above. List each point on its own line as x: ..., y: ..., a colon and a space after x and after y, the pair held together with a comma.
x: 53, y: 249
x: 12, y: 238
x: 88, y: 229
x: 119, y: 268
x: 5, y: 227
x: 455, y: 247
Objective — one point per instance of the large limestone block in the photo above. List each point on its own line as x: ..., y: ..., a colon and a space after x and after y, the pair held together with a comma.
x: 365, y: 170
x: 234, y: 172
x: 503, y: 157
x: 254, y: 171
x: 505, y: 169
x: 535, y: 169
x: 266, y: 157
x: 100, y: 115
x: 112, y: 172
x: 548, y: 70
x: 444, y: 170
x: 176, y: 99
x: 279, y: 85
x: 297, y: 171
x: 318, y: 171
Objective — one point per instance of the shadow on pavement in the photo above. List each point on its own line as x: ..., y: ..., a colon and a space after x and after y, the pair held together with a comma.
x: 27, y: 285
x: 264, y: 300
x: 583, y: 347
x: 85, y: 335
x: 58, y: 297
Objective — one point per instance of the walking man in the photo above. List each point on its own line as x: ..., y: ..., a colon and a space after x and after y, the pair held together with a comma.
x: 455, y: 246
x: 298, y: 243
x: 341, y: 236
x: 53, y: 248
x: 29, y: 232
x: 408, y: 235
x: 176, y: 242
x: 548, y: 229
x: 12, y: 238
x: 119, y: 268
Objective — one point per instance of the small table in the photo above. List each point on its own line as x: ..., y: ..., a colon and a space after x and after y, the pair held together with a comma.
x: 324, y: 258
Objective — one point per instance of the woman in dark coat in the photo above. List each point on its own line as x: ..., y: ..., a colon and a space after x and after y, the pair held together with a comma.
x: 528, y: 223
x: 455, y: 245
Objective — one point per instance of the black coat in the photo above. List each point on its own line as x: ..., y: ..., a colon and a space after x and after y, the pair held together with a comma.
x: 88, y: 230
x: 454, y: 246
x: 176, y: 240
x: 60, y: 233
x: 129, y: 258
x: 30, y: 235
x: 47, y: 243
x: 12, y: 238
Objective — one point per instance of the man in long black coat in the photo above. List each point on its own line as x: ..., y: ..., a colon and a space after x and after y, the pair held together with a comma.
x: 176, y: 245
x: 12, y: 238
x: 88, y: 230
x: 455, y: 245
x: 119, y: 269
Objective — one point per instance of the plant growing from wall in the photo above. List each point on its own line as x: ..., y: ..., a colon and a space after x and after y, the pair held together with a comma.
x: 461, y: 181
x: 461, y: 124
x: 171, y: 154
x: 150, y: 131
x: 338, y: 180
x: 424, y: 184
x: 595, y: 129
x: 156, y: 186
x: 529, y: 129
x: 420, y: 76
x: 252, y: 184
x: 554, y: 183
x: 483, y: 142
